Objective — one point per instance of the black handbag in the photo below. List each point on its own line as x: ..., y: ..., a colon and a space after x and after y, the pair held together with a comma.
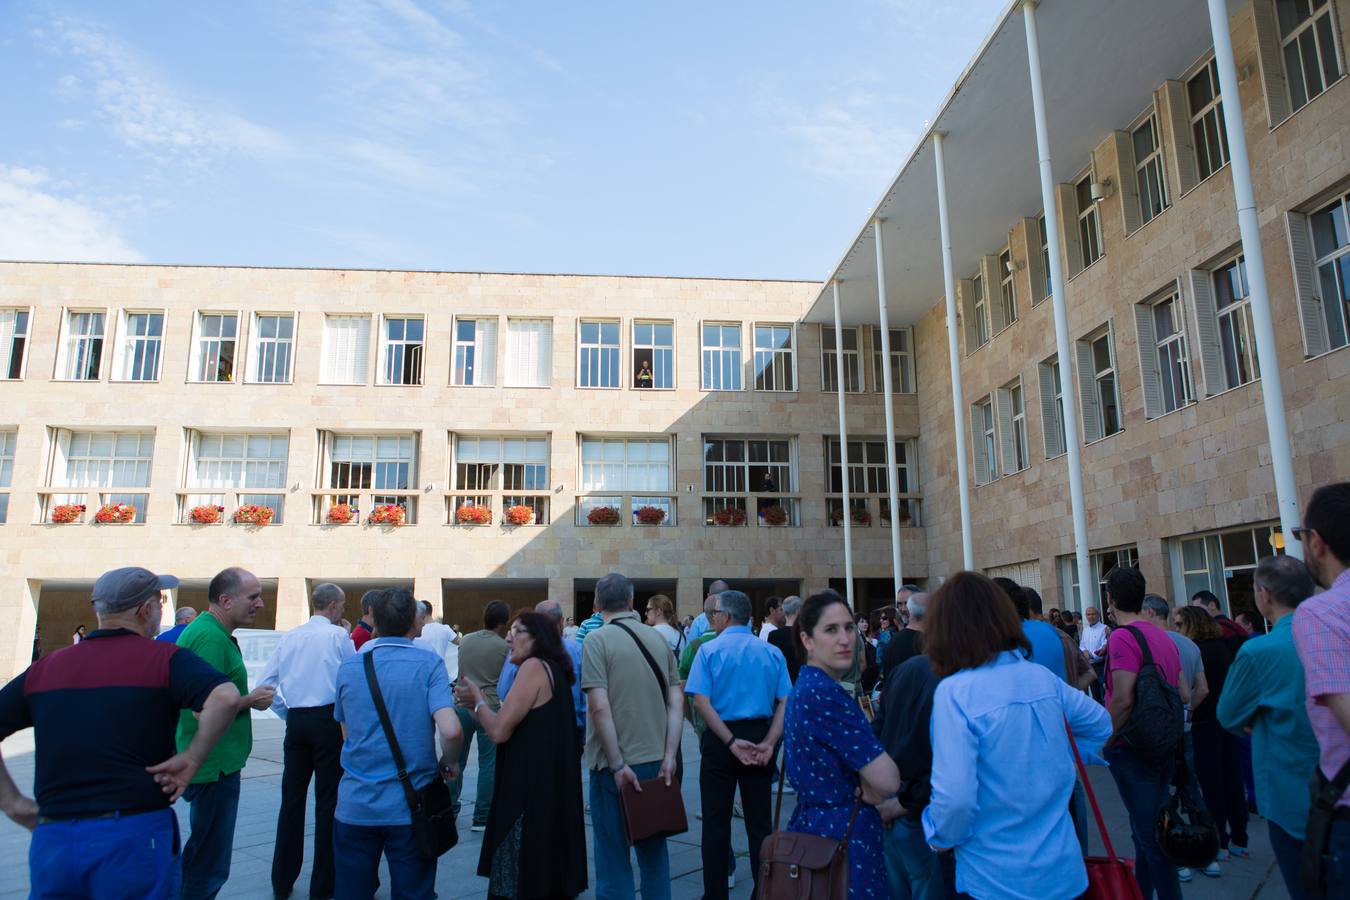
x: 433, y: 822
x: 1312, y: 866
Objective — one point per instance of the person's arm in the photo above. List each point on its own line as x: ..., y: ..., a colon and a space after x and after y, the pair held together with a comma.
x: 271, y: 677
x: 21, y: 809
x: 1199, y: 689
x: 176, y: 773
x: 764, y: 749
x: 674, y: 731
x: 1122, y: 697
x: 1087, y: 721
x: 744, y: 751
x: 1340, y: 708
x: 950, y: 814
x: 448, y: 730
x: 531, y: 680
x: 597, y: 707
x: 1241, y: 698
x: 1184, y: 688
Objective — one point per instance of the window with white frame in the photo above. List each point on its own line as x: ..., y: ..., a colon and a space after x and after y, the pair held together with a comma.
x: 775, y: 358
x: 829, y: 352
x: 1089, y: 224
x: 902, y: 360
x: 625, y: 464
x: 721, y: 356
x: 654, y: 355
x: 222, y: 463
x: 273, y: 348
x: 867, y: 481
x: 734, y: 467
x: 1223, y: 563
x: 402, y: 348
x: 529, y: 353
x: 1097, y: 382
x: 1102, y: 563
x: 1052, y: 408
x: 1330, y: 291
x: 1237, y: 333
x: 140, y: 350
x: 475, y: 352
x: 516, y: 467
x: 1148, y: 169
x: 213, y: 350
x: 1007, y: 294
x: 598, y: 354
x: 979, y: 308
x: 985, y: 432
x: 1309, y: 48
x: 118, y: 463
x: 1012, y: 422
x: 1044, y: 239
x: 1164, y: 363
x: 8, y: 439
x: 81, y: 353
x: 1207, y: 126
x: 384, y: 462
x: 13, y: 343
x: 346, y: 350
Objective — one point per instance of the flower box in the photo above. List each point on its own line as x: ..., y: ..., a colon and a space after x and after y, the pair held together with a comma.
x: 473, y: 514
x: 650, y: 515
x: 206, y: 515
x: 251, y: 514
x: 729, y: 515
x: 65, y: 513
x: 115, y: 514
x: 340, y: 514
x: 387, y: 514
x: 774, y: 515
x: 520, y: 515
x: 603, y: 515
x: 859, y: 517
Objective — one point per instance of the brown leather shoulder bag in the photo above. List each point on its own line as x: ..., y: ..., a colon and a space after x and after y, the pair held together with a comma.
x: 796, y: 866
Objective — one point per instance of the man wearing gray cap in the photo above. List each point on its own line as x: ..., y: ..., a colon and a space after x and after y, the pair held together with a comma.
x: 105, y: 711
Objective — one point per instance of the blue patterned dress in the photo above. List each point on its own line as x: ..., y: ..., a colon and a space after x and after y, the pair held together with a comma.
x: 827, y: 740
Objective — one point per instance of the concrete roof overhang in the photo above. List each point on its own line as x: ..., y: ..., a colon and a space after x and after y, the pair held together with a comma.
x: 1101, y: 61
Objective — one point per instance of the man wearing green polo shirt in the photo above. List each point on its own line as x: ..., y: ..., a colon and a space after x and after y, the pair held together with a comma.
x: 235, y: 596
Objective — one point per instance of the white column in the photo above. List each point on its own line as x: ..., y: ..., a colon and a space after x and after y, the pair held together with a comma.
x: 887, y: 396
x: 1272, y: 394
x: 954, y: 356
x: 843, y: 446
x: 1087, y: 589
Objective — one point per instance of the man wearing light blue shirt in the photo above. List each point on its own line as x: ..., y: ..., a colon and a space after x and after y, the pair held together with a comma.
x: 739, y: 685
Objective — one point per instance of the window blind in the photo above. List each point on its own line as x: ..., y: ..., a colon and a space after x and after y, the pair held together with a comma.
x: 346, y: 349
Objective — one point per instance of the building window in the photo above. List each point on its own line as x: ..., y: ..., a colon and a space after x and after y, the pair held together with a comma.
x: 775, y: 358
x: 1097, y: 382
x: 1164, y: 362
x: 373, y: 463
x: 1330, y: 291
x: 403, y: 349
x: 273, y: 348
x: 598, y: 354
x: 82, y: 350
x: 654, y: 355
x: 1148, y: 170
x: 734, y: 467
x: 213, y: 351
x: 238, y: 463
x: 142, y: 341
x: 902, y: 360
x: 1233, y: 311
x: 642, y: 468
x: 979, y: 309
x: 1101, y: 563
x: 8, y: 439
x: 1044, y: 238
x: 475, y: 352
x: 514, y: 467
x: 1012, y: 421
x: 829, y: 351
x: 1207, y: 126
x: 118, y: 462
x: 721, y: 357
x: 346, y: 349
x: 986, y: 440
x: 13, y: 342
x: 529, y: 353
x: 1223, y: 562
x: 1007, y: 296
x: 1052, y: 408
x: 867, y: 481
x: 1308, y: 45
x: 1089, y: 225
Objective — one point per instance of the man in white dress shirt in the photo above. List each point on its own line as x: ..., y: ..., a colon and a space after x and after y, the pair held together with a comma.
x: 303, y: 669
x: 1092, y: 642
x: 439, y: 639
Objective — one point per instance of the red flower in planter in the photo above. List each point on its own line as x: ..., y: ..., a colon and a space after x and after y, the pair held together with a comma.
x: 115, y: 513
x: 473, y: 514
x: 650, y: 515
x: 603, y: 515
x: 520, y: 515
x: 65, y: 513
x: 340, y: 514
x: 387, y: 514
x: 251, y: 514
x: 206, y: 515
x: 729, y: 515
x: 774, y: 515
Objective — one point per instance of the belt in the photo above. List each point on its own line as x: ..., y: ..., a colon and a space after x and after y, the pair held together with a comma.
x: 89, y: 817
x: 327, y: 707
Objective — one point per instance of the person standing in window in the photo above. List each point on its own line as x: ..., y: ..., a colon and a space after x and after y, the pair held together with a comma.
x: 644, y: 375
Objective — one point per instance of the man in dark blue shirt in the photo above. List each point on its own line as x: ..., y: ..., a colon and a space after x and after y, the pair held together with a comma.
x: 182, y: 618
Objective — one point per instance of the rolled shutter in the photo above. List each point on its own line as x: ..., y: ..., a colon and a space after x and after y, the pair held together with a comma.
x: 1273, y: 76
x: 1035, y: 263
x: 1006, y: 443
x: 1207, y: 331
x: 1128, y: 180
x: 361, y: 347
x: 1148, y: 360
x: 977, y: 428
x: 543, y: 353
x: 1087, y: 392
x: 992, y: 274
x: 967, y: 287
x: 1310, y: 301
x: 1178, y: 142
x: 1069, y: 245
x: 1049, y: 412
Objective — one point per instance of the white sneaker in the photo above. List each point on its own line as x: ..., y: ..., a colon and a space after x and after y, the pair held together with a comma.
x: 478, y: 828
x: 1212, y: 870
x: 1183, y: 874
x: 1223, y: 856
x: 731, y: 881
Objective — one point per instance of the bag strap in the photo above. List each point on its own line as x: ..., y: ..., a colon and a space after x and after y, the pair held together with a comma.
x: 1092, y: 797
x: 1143, y: 646
x: 782, y: 777
x: 378, y: 696
x: 1330, y: 792
x: 656, y: 670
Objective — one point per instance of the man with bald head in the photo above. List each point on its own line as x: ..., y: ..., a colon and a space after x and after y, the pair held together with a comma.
x: 1092, y: 641
x: 703, y: 622
x: 181, y: 619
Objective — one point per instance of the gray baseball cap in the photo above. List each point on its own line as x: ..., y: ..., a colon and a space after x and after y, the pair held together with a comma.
x: 129, y: 587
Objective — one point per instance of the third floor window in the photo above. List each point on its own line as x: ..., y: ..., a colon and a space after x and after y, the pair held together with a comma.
x: 1089, y: 225
x: 273, y: 348
x: 139, y: 352
x: 721, y: 357
x: 830, y: 348
x: 81, y: 353
x: 402, y: 350
x: 475, y: 362
x: 1308, y: 44
x: 598, y: 354
x: 654, y: 355
x: 775, y: 358
x: 1148, y: 172
x: 346, y: 350
x: 902, y: 360
x: 13, y: 342
x: 213, y: 350
x: 1207, y: 126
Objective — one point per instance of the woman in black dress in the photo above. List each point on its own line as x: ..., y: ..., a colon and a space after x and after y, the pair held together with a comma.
x: 535, y: 843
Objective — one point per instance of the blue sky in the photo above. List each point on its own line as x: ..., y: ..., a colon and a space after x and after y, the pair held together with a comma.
x: 698, y: 139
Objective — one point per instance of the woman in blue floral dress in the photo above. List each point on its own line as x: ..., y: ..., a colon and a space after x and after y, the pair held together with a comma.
x: 831, y: 750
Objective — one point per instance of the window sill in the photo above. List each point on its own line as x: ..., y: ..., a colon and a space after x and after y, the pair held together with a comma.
x: 1099, y: 258
x: 1230, y: 390
x: 708, y: 390
x: 1168, y: 208
x: 773, y: 391
x: 1187, y: 405
x: 1324, y: 353
x: 599, y: 387
x: 1326, y: 90
x: 386, y: 384
x: 344, y: 384
x: 526, y: 387
x: 453, y: 384
x: 1104, y: 438
x: 134, y: 380
x: 1208, y: 177
x: 272, y: 383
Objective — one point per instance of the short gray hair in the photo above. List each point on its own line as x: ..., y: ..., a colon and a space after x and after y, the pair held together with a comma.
x: 917, y: 604
x: 715, y: 589
x: 185, y: 614
x: 1286, y: 578
x: 325, y: 595
x: 551, y: 608
x: 424, y: 607
x: 1157, y: 605
x: 792, y: 605
x: 736, y: 606
x: 613, y: 593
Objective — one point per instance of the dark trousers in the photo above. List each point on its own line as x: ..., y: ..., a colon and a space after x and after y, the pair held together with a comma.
x: 1288, y: 851
x: 206, y: 858
x: 1097, y: 690
x: 720, y: 773
x: 358, y: 862
x: 313, y: 747
x: 1144, y: 788
x: 1219, y: 770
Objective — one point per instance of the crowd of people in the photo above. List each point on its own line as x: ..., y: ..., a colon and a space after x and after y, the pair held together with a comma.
x: 908, y: 735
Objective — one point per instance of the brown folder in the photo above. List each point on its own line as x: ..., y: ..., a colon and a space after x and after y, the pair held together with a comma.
x: 655, y: 811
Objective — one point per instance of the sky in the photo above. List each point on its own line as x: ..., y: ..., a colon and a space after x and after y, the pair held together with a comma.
x: 730, y: 139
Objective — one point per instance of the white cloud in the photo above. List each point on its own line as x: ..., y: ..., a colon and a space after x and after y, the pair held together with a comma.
x: 853, y: 139
x: 36, y: 223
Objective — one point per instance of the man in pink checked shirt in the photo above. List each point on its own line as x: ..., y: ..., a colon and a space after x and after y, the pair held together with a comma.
x: 1322, y: 636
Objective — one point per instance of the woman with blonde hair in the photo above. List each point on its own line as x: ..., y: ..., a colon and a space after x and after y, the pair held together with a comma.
x: 661, y: 616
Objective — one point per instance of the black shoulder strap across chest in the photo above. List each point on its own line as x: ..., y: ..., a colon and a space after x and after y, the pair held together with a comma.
x: 656, y: 670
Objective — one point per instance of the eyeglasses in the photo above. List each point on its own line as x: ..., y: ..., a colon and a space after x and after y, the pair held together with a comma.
x: 719, y: 612
x: 1300, y: 533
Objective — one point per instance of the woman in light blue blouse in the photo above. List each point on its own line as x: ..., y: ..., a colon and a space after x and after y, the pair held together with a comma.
x: 1003, y: 770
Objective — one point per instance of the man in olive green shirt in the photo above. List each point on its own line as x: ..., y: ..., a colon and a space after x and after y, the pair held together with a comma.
x: 236, y: 597
x: 481, y: 656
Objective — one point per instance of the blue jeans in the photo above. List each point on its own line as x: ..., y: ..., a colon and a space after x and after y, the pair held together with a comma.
x: 1338, y: 861
x: 1288, y: 849
x: 911, y: 865
x: 613, y: 864
x: 487, y: 767
x: 206, y: 858
x: 1144, y: 789
x: 129, y: 856
x: 356, y: 862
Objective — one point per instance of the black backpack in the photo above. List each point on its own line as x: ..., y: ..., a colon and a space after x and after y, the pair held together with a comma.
x: 1156, y: 726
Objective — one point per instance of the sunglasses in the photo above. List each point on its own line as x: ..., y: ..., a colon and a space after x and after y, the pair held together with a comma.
x: 1300, y: 533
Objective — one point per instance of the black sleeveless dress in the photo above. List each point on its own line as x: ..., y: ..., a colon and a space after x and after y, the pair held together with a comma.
x: 535, y: 842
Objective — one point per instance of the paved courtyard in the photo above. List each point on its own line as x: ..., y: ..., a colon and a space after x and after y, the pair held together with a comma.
x: 250, y: 875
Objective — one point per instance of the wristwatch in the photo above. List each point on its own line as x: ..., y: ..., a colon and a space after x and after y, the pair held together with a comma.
x: 480, y: 702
